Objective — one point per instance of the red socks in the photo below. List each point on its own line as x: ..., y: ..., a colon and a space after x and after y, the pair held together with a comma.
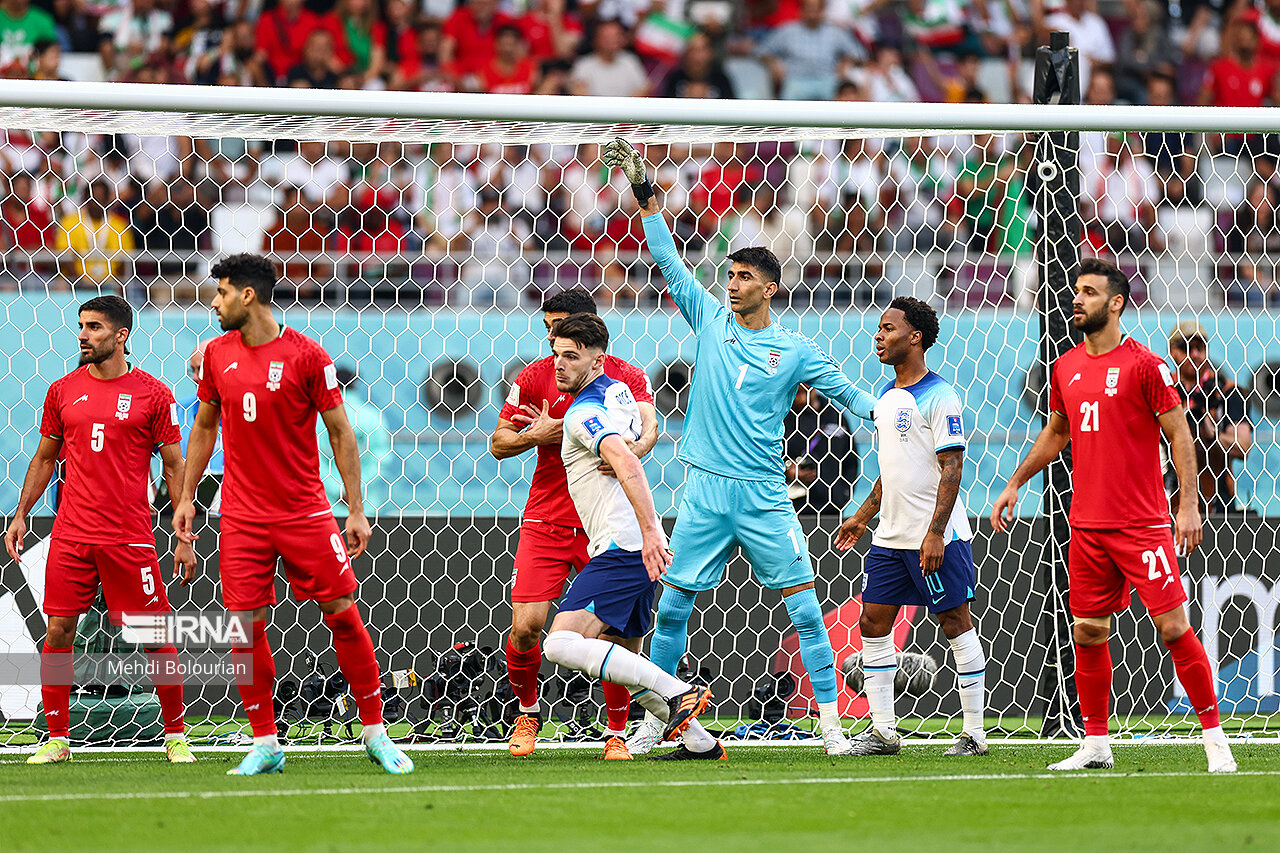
x: 56, y: 675
x: 1192, y: 666
x: 359, y: 665
x: 169, y: 691
x: 617, y: 704
x: 257, y: 686
x: 522, y: 672
x: 1093, y: 686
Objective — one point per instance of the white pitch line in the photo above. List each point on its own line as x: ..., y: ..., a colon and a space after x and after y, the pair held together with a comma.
x: 570, y: 786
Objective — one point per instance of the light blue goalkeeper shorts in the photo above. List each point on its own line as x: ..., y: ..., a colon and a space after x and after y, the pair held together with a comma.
x: 718, y: 513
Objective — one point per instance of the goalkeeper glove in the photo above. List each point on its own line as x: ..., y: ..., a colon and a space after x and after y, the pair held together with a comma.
x: 619, y: 154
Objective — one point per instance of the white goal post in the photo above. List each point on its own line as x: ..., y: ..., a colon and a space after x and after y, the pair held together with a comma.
x: 417, y: 235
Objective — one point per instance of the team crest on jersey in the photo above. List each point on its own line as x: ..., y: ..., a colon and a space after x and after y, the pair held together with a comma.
x: 274, y: 374
x: 122, y: 406
x: 775, y: 358
x: 903, y: 421
x: 1113, y: 381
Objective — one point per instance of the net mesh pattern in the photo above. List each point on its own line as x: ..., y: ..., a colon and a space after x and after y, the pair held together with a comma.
x: 418, y: 253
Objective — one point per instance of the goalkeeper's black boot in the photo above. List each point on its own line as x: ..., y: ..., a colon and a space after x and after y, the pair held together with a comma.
x: 683, y: 753
x: 684, y: 708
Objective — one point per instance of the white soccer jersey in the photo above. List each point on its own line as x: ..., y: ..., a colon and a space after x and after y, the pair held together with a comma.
x: 605, y: 407
x: 913, y: 425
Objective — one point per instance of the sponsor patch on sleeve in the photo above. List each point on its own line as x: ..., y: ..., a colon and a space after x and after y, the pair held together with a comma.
x: 513, y: 396
x: 1165, y: 374
x: 954, y: 426
x: 331, y: 376
x: 173, y: 413
x: 593, y: 426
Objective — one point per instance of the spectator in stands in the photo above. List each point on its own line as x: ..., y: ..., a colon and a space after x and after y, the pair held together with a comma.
x: 419, y: 68
x: 319, y: 66
x: 1217, y: 413
x: 77, y: 26
x: 1118, y: 200
x: 131, y: 34
x: 1239, y: 77
x: 511, y: 71
x: 808, y: 57
x: 359, y: 39
x: 495, y: 273
x: 772, y: 220
x: 236, y: 61
x: 282, y: 35
x: 1255, y: 231
x: 94, y: 242
x: 26, y: 229
x: 1269, y: 29
x: 198, y: 41
x: 1197, y: 31
x: 21, y: 26
x: 401, y: 34
x: 920, y: 178
x: 821, y: 454
x: 1088, y: 31
x: 610, y: 70
x: 1169, y: 152
x: 886, y: 81
x: 698, y: 74
x: 470, y: 34
x: 448, y: 193
x: 373, y: 441
x: 957, y: 83
x: 1143, y: 49
x: 294, y: 240
x: 616, y: 289
x: 47, y: 61
x: 994, y: 214
x: 184, y: 224
x: 552, y: 32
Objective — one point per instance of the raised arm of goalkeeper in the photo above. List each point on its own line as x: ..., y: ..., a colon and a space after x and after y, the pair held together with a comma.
x: 695, y: 303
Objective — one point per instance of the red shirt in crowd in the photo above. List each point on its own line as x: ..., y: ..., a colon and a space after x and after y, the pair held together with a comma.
x: 473, y: 44
x: 282, y: 40
x: 1234, y: 85
x: 537, y: 32
x: 519, y: 80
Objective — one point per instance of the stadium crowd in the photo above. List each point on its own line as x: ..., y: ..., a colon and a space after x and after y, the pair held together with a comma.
x: 492, y: 225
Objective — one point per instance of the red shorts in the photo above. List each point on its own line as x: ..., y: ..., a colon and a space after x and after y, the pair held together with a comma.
x: 1102, y: 564
x: 545, y: 556
x: 314, y: 556
x: 129, y: 575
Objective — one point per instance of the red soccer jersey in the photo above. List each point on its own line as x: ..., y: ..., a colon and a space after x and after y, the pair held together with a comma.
x: 269, y: 396
x: 109, y: 429
x: 1236, y: 85
x: 549, y: 493
x: 1112, y: 402
x: 519, y: 81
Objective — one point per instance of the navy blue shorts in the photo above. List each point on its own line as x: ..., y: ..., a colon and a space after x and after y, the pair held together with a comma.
x: 893, y: 576
x: 615, y: 586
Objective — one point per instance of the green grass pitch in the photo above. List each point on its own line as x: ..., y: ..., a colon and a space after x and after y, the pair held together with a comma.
x: 763, y: 798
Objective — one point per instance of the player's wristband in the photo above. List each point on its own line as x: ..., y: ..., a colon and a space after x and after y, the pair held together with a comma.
x: 643, y: 192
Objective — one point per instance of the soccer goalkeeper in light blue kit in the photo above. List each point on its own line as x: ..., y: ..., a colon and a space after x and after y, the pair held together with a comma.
x: 747, y: 368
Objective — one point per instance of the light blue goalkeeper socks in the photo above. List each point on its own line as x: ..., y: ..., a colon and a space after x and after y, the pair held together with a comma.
x: 671, y: 628
x: 815, y: 646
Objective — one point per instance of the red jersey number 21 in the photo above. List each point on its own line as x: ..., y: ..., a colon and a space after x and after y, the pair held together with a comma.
x: 1089, y: 417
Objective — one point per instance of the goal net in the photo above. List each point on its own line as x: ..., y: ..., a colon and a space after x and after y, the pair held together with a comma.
x: 417, y: 237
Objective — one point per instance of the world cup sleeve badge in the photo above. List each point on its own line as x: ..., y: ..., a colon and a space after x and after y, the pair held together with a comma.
x: 275, y: 372
x: 775, y: 359
x: 122, y: 406
x: 1113, y: 381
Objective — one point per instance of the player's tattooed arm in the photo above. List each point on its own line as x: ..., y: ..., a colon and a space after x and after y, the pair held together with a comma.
x: 934, y: 545
x: 855, y: 525
x: 39, y: 473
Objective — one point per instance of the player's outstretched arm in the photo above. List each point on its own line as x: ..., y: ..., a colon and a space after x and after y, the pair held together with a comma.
x: 184, y: 557
x: 693, y: 300
x: 822, y: 373
x: 346, y: 455
x: 635, y: 486
x: 39, y: 473
x: 1188, y: 529
x: 204, y: 434
x: 1049, y: 443
x: 855, y: 525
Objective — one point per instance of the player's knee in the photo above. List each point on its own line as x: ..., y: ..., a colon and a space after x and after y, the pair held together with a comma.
x: 59, y: 637
x: 525, y: 633
x: 558, y: 646
x: 1091, y: 632
x: 1172, y: 625
x: 955, y: 622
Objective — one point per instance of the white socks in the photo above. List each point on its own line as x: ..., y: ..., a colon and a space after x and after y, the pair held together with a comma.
x: 1215, y: 735
x: 267, y: 740
x: 371, y: 732
x: 971, y: 670
x: 879, y: 669
x: 829, y: 718
x: 172, y: 736
x: 602, y: 659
